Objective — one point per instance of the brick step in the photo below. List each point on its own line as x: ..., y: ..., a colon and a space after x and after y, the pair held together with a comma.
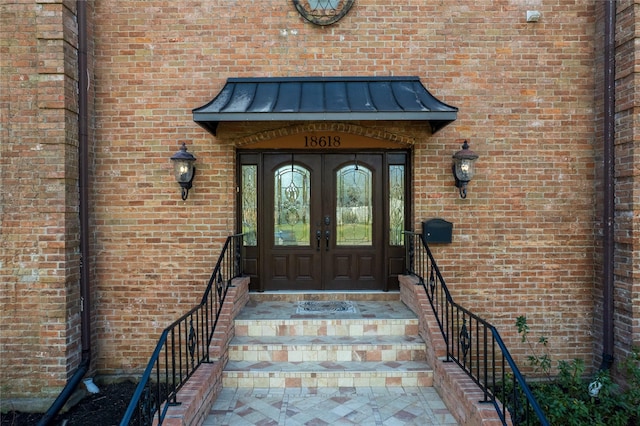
x: 327, y: 374
x: 327, y: 327
x: 327, y: 348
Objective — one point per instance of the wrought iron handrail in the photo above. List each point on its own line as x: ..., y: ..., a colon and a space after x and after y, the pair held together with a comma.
x: 472, y: 343
x: 184, y: 345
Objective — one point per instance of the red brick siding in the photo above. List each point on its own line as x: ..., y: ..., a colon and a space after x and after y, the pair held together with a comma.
x: 525, y: 239
x: 40, y: 261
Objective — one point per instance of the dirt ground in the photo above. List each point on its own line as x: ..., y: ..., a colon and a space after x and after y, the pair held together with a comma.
x: 102, y: 409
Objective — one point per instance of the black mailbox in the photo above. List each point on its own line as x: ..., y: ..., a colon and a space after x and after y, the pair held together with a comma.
x: 437, y: 231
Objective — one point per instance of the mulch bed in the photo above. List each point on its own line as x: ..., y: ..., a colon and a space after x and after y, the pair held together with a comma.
x: 102, y: 409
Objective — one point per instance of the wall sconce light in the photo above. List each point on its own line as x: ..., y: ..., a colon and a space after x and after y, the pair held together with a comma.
x: 184, y: 169
x: 464, y: 167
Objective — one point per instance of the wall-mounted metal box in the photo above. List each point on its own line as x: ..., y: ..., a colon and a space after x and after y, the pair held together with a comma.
x: 437, y: 231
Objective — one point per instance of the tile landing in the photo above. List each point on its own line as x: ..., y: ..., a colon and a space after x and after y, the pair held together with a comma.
x: 365, y: 406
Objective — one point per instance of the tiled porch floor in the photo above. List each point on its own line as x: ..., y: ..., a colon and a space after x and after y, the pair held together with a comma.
x: 283, y: 306
x: 329, y: 406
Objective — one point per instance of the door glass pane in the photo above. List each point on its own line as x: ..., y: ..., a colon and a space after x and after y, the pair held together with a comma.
x: 250, y: 204
x: 396, y: 205
x: 353, y: 206
x: 291, y: 205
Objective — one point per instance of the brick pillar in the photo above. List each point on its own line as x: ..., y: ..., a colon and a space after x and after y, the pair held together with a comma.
x: 39, y: 268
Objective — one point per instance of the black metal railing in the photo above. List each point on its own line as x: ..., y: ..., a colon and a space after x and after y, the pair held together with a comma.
x: 184, y: 345
x: 473, y: 343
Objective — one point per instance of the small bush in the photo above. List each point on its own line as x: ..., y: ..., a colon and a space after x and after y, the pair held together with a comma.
x: 570, y: 399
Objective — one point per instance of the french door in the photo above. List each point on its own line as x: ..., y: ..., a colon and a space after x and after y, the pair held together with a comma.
x: 323, y: 221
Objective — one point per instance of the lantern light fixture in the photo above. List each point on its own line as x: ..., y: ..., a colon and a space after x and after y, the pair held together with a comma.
x: 464, y: 167
x: 184, y: 169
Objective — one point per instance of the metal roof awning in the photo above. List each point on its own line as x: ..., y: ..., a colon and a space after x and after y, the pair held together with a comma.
x: 324, y: 99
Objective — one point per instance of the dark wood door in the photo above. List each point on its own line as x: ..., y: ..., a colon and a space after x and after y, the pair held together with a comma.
x: 353, y: 218
x: 291, y: 254
x: 322, y: 222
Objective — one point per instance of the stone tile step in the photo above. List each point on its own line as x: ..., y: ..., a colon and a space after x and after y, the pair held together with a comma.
x: 326, y: 366
x: 326, y: 374
x: 327, y: 348
x: 326, y: 327
x: 329, y: 340
x: 343, y: 309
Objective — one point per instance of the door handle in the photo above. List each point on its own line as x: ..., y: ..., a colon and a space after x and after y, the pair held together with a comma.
x: 327, y: 234
x: 318, y: 237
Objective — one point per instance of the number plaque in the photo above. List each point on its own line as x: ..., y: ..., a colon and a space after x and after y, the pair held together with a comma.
x: 322, y: 141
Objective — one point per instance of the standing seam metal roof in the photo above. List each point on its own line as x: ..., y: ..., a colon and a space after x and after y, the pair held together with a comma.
x: 324, y: 99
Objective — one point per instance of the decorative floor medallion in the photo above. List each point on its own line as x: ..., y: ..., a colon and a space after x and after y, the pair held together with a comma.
x: 326, y: 307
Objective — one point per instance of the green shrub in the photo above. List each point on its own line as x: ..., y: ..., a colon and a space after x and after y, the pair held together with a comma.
x: 566, y: 398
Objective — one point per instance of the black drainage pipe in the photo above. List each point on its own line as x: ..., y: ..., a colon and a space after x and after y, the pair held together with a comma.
x: 66, y: 393
x: 83, y: 184
x: 83, y: 179
x: 608, y: 187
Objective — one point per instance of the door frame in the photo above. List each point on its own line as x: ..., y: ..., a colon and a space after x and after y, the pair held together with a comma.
x: 393, y: 256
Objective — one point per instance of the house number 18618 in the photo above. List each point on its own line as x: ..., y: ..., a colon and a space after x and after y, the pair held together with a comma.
x: 321, y: 141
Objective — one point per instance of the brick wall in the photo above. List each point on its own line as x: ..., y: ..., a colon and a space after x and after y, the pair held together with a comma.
x: 40, y: 248
x: 524, y: 240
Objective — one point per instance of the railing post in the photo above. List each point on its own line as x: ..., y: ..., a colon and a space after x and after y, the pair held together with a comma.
x: 486, y: 360
x: 451, y: 329
x: 408, y: 252
x: 239, y: 258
